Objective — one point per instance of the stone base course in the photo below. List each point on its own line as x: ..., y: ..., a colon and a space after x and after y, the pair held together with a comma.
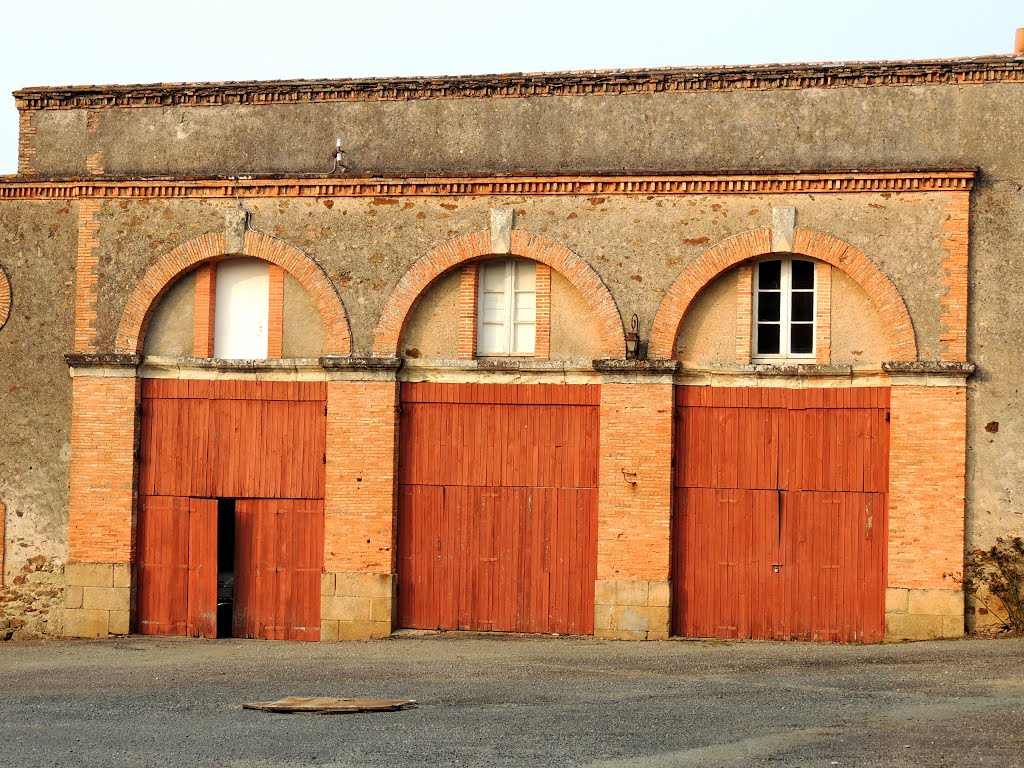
x: 923, y: 614
x: 631, y: 610
x: 97, y: 599
x: 357, y: 606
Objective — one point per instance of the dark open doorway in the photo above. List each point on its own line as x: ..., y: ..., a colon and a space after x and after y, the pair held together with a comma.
x: 225, y: 565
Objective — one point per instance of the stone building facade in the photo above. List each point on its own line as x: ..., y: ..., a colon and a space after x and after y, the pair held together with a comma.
x: 726, y: 352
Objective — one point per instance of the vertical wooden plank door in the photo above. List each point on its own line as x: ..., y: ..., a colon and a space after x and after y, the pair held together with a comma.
x: 779, y: 521
x: 278, y: 562
x: 497, y: 507
x: 176, y: 566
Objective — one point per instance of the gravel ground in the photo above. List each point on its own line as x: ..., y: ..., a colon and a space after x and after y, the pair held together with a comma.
x: 513, y: 701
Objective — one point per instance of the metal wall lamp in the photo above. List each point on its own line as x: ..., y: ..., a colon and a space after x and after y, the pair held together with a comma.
x: 633, y: 339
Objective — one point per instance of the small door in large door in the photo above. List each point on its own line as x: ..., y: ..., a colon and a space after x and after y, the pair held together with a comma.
x: 177, y: 566
x: 832, y: 585
x: 278, y: 563
x: 726, y: 571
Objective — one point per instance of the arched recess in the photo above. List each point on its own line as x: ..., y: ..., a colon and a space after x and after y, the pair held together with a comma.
x: 478, y: 244
x: 132, y: 328
x: 757, y: 242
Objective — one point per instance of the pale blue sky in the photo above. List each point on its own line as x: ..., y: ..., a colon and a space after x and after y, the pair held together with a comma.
x: 58, y: 42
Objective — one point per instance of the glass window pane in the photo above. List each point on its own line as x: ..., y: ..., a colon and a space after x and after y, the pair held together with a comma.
x: 526, y: 275
x: 803, y: 274
x: 492, y: 340
x: 767, y: 339
x: 493, y: 307
x: 801, y: 338
x: 769, y: 274
x: 525, y: 334
x: 768, y: 306
x: 803, y: 306
x: 492, y: 276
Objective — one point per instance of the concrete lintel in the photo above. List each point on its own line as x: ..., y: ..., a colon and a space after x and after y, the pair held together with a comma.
x: 297, y: 369
x: 637, y: 371
x: 112, y: 366
x: 786, y: 377
x: 929, y: 373
x: 483, y: 371
x: 361, y: 368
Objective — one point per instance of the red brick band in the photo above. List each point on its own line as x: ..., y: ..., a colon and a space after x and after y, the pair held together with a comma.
x: 478, y: 244
x: 131, y: 330
x: 757, y: 242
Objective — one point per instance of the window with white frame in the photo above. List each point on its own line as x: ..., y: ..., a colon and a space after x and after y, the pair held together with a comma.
x: 784, y: 304
x: 507, y: 308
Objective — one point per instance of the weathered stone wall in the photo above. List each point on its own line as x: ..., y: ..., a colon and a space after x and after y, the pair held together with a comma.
x: 37, y: 251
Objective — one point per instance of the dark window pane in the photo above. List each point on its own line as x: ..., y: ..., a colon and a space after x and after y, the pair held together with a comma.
x: 803, y: 274
x: 767, y: 339
x: 801, y: 339
x: 768, y: 306
x: 769, y: 274
x: 803, y: 306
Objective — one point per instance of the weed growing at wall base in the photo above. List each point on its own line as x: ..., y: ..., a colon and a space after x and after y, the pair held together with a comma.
x: 994, y: 577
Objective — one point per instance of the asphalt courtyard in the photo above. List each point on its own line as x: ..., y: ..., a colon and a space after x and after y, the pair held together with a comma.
x: 513, y: 701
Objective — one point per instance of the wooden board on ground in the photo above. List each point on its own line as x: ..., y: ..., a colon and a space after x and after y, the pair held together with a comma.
x: 325, y: 705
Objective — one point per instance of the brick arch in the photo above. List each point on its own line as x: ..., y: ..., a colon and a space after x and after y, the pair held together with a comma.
x: 132, y: 328
x: 757, y: 242
x: 475, y: 245
x: 5, y: 297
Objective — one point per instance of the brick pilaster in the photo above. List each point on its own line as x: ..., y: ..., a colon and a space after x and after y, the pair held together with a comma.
x: 634, y: 505
x: 103, y: 437
x: 953, y: 319
x: 360, y: 492
x: 927, y: 459
x: 86, y: 275
x: 26, y: 142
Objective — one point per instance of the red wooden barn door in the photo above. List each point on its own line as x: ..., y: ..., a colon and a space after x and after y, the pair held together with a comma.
x: 498, y: 507
x: 233, y: 439
x: 259, y: 443
x: 278, y: 561
x: 780, y: 513
x: 177, y: 566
